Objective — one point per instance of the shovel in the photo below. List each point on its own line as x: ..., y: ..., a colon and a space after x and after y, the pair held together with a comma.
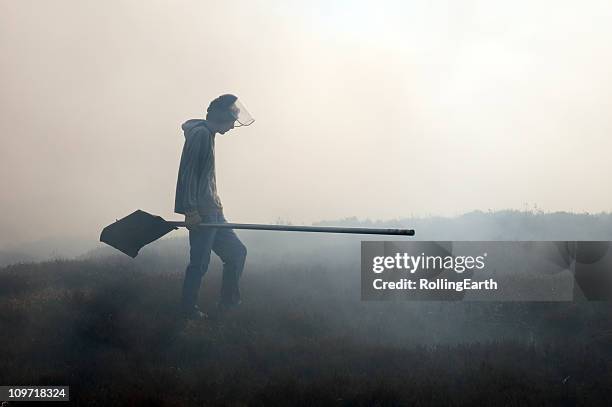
x: 140, y: 228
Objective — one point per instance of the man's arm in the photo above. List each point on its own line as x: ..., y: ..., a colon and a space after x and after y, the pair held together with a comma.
x: 190, y: 173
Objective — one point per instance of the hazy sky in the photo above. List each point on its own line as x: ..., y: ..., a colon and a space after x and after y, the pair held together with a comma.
x: 368, y: 109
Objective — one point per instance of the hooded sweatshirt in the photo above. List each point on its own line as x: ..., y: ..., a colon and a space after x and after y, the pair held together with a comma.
x: 196, y: 186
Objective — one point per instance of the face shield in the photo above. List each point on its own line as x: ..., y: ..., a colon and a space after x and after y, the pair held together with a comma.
x: 241, y: 114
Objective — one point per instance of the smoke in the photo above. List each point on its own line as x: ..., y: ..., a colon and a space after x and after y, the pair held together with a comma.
x: 404, y: 108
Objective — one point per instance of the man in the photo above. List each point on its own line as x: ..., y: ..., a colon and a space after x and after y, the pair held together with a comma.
x: 197, y: 199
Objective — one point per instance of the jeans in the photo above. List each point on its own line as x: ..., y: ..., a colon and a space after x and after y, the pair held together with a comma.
x: 228, y: 247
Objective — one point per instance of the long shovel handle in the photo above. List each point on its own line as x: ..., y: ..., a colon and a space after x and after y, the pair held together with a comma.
x: 291, y: 228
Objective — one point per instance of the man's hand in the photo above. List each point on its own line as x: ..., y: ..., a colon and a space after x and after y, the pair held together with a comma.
x: 192, y: 219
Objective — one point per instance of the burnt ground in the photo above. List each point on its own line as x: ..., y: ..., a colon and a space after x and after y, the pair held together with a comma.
x: 110, y: 330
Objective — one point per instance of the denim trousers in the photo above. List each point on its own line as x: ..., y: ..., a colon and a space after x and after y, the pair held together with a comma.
x: 228, y: 247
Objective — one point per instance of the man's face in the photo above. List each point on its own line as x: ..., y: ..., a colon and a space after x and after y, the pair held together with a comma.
x: 225, y: 127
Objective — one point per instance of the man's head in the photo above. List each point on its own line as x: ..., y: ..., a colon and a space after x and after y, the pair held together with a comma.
x: 225, y: 111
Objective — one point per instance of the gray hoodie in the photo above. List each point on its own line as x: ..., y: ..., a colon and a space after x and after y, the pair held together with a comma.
x: 196, y: 187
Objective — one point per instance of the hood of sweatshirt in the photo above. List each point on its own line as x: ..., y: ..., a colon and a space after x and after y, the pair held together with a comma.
x: 191, y: 124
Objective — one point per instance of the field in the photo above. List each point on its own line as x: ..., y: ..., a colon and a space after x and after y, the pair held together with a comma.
x: 109, y: 328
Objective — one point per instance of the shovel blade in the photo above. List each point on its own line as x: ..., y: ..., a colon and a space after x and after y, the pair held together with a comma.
x: 135, y: 231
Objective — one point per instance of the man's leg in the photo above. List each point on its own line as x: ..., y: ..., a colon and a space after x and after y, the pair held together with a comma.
x: 233, y: 254
x: 200, y: 242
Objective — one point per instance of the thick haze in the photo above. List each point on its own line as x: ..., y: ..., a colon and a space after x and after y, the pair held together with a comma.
x: 377, y: 109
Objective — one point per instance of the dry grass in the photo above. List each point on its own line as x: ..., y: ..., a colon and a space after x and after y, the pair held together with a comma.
x: 111, y: 332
